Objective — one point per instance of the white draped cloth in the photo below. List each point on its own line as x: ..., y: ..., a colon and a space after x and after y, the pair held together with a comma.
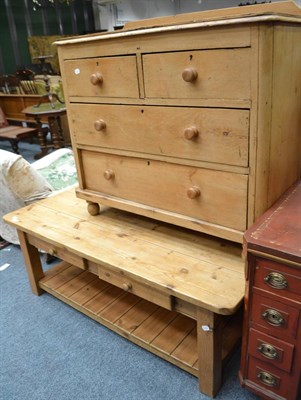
x: 20, y: 185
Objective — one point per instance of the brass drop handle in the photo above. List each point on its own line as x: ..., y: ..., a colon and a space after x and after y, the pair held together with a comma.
x: 267, y: 379
x: 193, y: 192
x: 100, y: 125
x: 126, y: 286
x: 276, y: 280
x: 189, y: 74
x: 273, y: 317
x: 109, y: 174
x: 268, y: 351
x: 52, y: 251
x: 96, y: 78
x: 191, y: 133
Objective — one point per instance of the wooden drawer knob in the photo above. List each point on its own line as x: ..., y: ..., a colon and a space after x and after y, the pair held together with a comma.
x: 191, y: 133
x: 96, y: 78
x: 52, y: 252
x: 126, y: 286
x: 100, y: 125
x: 109, y: 174
x: 189, y: 74
x: 193, y: 192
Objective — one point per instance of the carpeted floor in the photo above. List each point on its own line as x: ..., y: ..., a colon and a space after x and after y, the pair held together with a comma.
x: 48, y: 350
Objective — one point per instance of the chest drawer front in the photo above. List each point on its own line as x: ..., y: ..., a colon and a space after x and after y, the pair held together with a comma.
x: 214, y: 196
x: 202, y: 74
x: 102, y: 77
x: 277, y: 318
x: 212, y: 135
x: 269, y: 378
x: 271, y: 350
x: 278, y: 279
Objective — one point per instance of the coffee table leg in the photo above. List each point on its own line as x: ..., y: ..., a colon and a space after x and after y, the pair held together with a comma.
x: 209, y: 336
x: 32, y: 262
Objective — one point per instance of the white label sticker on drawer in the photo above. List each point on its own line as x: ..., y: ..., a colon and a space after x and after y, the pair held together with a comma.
x: 77, y: 71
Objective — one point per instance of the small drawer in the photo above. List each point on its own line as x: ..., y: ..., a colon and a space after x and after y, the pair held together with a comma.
x: 131, y: 285
x: 268, y: 378
x: 271, y: 350
x: 57, y: 251
x: 102, y: 77
x: 214, y: 196
x: 277, y: 318
x: 201, y: 74
x: 200, y: 134
x: 277, y: 278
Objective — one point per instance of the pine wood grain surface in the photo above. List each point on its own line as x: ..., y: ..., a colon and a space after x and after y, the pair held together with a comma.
x: 199, y: 269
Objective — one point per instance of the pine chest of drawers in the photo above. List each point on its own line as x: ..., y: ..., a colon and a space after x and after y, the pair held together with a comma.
x: 271, y: 351
x: 193, y: 119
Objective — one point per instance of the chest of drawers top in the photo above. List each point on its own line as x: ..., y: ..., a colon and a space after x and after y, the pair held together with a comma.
x: 184, y: 118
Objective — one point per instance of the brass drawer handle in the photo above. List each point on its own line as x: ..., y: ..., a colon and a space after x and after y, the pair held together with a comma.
x: 189, y: 74
x: 276, y: 280
x: 109, y: 174
x: 191, y: 133
x: 268, y: 351
x: 96, y: 78
x: 267, y: 379
x: 193, y: 192
x: 100, y: 125
x: 273, y: 317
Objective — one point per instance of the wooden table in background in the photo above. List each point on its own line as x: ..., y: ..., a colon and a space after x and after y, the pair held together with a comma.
x: 174, y: 292
x: 53, y: 116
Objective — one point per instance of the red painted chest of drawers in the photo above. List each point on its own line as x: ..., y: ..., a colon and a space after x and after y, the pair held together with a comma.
x: 271, y: 351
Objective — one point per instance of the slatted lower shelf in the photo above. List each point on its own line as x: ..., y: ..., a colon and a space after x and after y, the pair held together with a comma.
x: 168, y: 334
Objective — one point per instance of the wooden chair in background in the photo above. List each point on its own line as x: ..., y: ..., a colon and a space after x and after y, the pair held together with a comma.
x: 15, y: 133
x: 26, y: 79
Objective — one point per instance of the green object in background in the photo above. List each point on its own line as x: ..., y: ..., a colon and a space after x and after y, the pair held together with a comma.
x: 61, y: 173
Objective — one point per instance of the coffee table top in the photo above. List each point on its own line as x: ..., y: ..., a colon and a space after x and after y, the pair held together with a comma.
x: 202, y: 270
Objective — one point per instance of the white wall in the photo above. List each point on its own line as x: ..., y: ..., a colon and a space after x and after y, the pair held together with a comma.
x: 111, y: 13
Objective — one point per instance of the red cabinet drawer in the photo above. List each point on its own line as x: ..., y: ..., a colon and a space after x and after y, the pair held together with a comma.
x: 278, y: 279
x: 274, y: 317
x: 269, y: 349
x: 269, y: 379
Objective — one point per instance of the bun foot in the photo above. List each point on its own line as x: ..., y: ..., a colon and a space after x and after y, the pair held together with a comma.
x: 93, y: 208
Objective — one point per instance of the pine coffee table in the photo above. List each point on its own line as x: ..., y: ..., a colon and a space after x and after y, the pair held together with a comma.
x: 175, y: 292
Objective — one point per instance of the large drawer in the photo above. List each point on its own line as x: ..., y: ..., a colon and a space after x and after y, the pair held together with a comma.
x: 202, y: 74
x: 214, y: 196
x: 203, y: 134
x: 102, y: 77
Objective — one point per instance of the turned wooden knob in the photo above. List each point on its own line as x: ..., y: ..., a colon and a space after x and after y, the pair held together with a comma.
x: 193, y: 192
x: 109, y: 174
x: 93, y: 208
x: 51, y: 252
x: 189, y: 74
x: 96, y: 78
x: 191, y: 133
x: 126, y: 286
x: 100, y: 125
